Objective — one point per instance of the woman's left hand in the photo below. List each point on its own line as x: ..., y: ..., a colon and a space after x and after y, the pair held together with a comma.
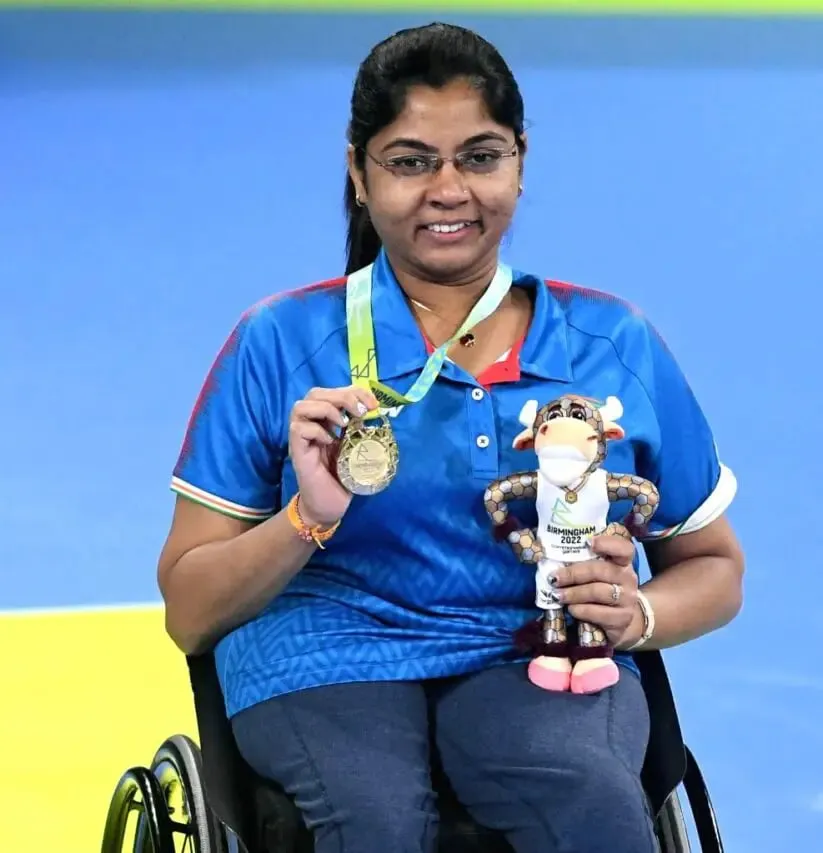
x: 589, y: 590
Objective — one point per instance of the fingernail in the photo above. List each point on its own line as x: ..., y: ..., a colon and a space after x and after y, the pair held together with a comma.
x: 345, y: 419
x: 361, y: 408
x: 556, y: 595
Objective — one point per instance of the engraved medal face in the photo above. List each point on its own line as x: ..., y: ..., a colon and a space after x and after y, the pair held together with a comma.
x: 367, y: 461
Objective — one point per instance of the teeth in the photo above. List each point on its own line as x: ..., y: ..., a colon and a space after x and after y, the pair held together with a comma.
x: 449, y: 229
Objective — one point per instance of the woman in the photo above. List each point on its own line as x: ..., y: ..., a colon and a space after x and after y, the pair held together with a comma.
x: 352, y: 632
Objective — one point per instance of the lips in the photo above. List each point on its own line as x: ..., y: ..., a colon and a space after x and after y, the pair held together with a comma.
x: 445, y: 233
x: 450, y: 227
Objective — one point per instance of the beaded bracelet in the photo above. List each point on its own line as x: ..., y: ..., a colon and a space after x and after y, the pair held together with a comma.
x: 316, y: 534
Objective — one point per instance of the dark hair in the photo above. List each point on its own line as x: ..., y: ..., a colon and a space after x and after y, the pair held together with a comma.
x: 433, y: 55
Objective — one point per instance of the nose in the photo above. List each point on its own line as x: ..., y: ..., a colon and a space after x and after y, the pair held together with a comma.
x: 566, y: 429
x: 447, y: 187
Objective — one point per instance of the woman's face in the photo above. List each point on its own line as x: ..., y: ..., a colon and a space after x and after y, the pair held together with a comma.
x: 441, y: 224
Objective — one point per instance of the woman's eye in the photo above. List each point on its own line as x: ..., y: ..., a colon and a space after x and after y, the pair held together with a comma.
x: 410, y: 163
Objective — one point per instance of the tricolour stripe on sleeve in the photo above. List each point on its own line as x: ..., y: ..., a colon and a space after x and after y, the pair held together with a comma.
x: 234, y: 510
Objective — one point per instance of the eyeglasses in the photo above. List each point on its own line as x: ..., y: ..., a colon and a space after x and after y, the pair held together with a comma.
x: 477, y: 161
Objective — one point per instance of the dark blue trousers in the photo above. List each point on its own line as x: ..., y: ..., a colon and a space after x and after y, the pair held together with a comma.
x: 555, y: 772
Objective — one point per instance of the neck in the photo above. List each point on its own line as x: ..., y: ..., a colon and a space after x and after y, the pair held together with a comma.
x: 448, y: 298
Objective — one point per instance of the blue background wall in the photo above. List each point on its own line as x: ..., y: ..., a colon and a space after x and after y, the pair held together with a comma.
x: 161, y: 172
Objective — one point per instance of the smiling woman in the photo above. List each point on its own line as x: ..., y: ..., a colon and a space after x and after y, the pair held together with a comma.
x: 436, y: 159
x: 359, y: 619
x: 418, y: 207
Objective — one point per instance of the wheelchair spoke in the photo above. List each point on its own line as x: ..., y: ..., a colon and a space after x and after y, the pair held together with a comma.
x: 176, y: 766
x: 138, y: 792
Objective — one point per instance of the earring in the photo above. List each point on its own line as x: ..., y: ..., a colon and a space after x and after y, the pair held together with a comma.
x: 520, y: 188
x: 358, y: 201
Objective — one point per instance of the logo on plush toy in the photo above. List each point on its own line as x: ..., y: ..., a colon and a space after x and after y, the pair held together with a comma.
x: 572, y: 493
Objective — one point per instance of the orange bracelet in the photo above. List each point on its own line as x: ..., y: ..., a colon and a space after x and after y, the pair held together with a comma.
x: 316, y: 534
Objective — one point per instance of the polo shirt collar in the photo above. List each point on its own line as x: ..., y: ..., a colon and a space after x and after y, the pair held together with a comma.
x: 546, y: 353
x: 401, y: 348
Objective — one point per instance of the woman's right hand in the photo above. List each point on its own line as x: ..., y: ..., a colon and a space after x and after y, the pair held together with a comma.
x: 312, y: 448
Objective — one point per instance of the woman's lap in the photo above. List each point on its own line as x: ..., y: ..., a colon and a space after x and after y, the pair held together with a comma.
x: 556, y: 772
x: 355, y: 759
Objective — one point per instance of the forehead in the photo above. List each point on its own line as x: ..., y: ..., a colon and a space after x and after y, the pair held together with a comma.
x: 441, y: 117
x: 566, y: 404
x: 569, y: 401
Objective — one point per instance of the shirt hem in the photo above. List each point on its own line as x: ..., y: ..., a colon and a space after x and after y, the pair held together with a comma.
x: 277, y: 684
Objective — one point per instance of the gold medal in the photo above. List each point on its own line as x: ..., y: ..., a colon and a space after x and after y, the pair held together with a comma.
x: 367, y: 460
x: 571, y: 494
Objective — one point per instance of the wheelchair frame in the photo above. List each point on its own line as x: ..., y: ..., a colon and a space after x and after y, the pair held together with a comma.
x: 227, y: 808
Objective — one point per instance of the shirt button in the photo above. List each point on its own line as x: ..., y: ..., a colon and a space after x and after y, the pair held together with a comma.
x: 482, y: 441
x: 477, y: 394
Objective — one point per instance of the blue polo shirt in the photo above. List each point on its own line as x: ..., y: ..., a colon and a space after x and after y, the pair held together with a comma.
x: 413, y: 585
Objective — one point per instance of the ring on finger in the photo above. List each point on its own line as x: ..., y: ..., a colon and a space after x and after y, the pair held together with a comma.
x: 617, y: 591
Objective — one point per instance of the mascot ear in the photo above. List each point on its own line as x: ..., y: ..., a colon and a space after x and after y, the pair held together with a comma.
x: 524, y: 440
x: 613, y: 432
x: 611, y: 411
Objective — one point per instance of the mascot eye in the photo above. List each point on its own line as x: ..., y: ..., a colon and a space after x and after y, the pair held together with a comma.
x: 578, y: 414
x: 554, y: 414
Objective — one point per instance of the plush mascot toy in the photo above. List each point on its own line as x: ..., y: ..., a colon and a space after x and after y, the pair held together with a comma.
x: 572, y: 493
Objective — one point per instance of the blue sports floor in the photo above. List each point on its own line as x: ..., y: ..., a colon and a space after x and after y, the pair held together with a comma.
x: 162, y: 172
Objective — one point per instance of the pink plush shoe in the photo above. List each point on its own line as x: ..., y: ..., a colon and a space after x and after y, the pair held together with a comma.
x: 592, y: 676
x: 550, y: 674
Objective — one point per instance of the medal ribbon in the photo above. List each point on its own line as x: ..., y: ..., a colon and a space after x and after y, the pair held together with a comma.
x: 362, y: 351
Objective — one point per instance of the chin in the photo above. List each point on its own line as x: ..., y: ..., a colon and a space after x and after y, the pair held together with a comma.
x: 451, y: 263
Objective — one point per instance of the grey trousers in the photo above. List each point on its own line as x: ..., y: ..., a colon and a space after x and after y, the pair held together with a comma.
x: 555, y: 772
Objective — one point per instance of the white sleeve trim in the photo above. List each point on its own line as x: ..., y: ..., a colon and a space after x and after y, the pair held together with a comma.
x: 715, y: 505
x: 710, y: 510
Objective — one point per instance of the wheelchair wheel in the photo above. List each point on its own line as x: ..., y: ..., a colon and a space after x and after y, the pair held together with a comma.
x: 138, y: 792
x: 177, y: 767
x: 702, y: 809
x: 671, y: 827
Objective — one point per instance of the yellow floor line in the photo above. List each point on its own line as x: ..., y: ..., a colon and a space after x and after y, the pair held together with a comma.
x: 84, y: 696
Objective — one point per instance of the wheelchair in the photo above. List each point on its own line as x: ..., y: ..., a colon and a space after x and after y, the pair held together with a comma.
x: 208, y: 800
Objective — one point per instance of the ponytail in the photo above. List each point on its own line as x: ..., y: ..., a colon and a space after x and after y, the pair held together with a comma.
x: 362, y: 242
